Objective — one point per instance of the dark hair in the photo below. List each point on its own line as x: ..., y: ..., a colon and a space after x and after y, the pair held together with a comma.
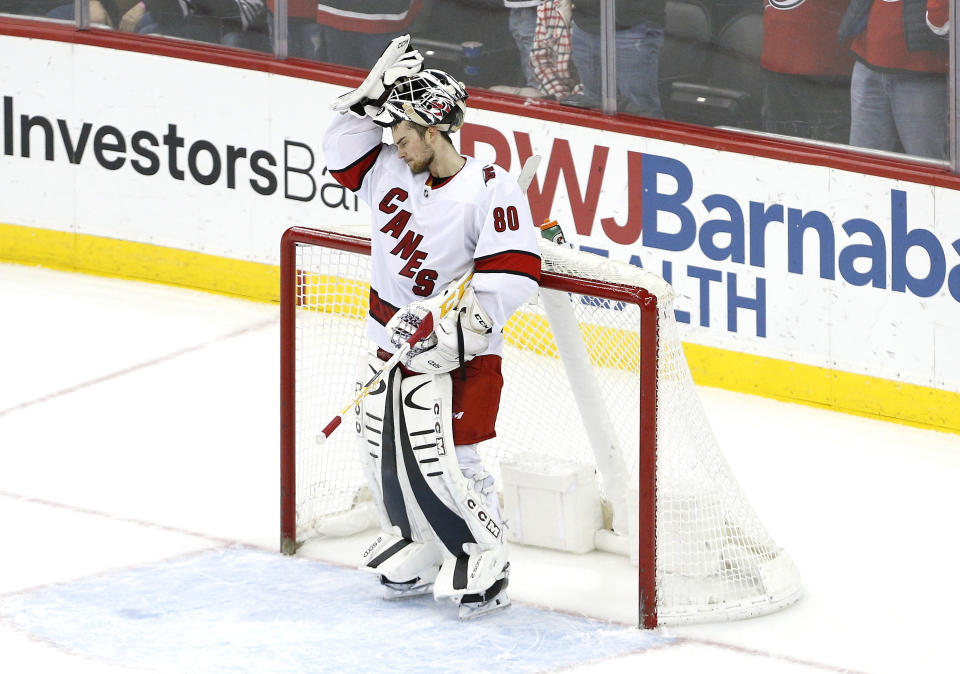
x: 421, y: 129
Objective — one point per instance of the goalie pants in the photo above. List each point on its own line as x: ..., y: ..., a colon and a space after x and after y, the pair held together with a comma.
x: 476, y: 401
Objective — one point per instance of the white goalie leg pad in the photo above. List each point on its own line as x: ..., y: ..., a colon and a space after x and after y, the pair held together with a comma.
x: 453, y: 507
x: 406, y: 549
x: 457, y: 508
x: 388, y: 485
x: 400, y: 560
x: 479, y: 579
x: 368, y: 423
x: 472, y: 573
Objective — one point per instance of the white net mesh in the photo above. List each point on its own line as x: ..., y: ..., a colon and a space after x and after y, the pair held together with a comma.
x: 714, y: 559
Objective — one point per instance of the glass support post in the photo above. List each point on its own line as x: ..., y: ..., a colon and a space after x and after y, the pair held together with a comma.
x: 954, y: 89
x: 81, y: 13
x: 281, y: 40
x: 608, y: 56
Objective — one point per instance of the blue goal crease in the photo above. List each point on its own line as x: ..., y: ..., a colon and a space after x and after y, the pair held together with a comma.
x: 245, y: 610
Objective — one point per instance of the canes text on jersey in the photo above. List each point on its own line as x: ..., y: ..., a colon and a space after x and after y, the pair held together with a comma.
x: 406, y: 247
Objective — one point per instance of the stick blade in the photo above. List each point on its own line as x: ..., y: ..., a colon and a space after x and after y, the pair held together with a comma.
x: 528, y: 172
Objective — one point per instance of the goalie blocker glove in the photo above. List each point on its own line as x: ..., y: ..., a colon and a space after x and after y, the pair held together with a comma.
x: 398, y: 60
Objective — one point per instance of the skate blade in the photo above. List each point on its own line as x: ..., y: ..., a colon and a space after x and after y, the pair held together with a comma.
x: 495, y: 605
x: 399, y: 595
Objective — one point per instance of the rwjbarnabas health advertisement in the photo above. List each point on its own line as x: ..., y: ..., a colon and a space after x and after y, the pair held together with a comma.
x: 812, y: 266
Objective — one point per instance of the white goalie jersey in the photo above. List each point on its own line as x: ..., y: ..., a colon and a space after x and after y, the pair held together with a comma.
x: 427, y: 233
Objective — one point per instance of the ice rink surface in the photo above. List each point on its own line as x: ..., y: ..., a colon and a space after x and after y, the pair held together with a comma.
x: 139, y: 500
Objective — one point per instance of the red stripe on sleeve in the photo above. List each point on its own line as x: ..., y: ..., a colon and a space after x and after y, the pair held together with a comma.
x: 366, y: 20
x: 352, y: 176
x: 938, y: 12
x: 510, y: 262
x: 380, y: 311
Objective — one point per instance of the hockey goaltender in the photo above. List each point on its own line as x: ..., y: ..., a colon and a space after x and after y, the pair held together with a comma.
x: 437, y: 216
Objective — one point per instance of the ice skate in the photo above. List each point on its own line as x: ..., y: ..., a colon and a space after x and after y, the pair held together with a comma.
x: 394, y: 591
x: 493, y: 599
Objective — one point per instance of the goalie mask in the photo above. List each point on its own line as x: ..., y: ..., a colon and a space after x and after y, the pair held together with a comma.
x: 429, y: 98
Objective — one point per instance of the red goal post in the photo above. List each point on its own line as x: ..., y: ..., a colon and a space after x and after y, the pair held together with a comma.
x: 601, y: 341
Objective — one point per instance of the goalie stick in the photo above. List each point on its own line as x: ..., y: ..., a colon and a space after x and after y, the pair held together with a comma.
x: 447, y: 301
x: 528, y: 171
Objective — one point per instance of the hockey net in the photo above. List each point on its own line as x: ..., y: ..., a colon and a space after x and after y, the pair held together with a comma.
x: 594, y: 373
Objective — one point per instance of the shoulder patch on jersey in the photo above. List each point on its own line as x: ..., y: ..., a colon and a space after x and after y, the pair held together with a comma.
x: 488, y: 173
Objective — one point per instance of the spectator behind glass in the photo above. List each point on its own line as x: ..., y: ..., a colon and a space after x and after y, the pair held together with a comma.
x: 639, y: 38
x: 123, y: 15
x: 550, y: 56
x: 807, y: 88
x: 523, y: 24
x: 29, y: 7
x: 234, y: 23
x: 353, y: 32
x: 303, y: 34
x: 898, y: 93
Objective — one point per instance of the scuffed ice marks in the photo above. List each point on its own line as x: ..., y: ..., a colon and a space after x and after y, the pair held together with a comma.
x: 247, y: 610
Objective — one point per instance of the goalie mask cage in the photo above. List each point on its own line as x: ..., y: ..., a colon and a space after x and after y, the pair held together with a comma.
x: 594, y: 373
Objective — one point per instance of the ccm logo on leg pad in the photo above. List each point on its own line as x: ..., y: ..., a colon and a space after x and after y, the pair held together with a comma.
x: 482, y: 515
x: 438, y: 428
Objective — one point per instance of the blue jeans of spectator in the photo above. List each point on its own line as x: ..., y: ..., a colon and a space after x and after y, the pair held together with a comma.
x: 523, y: 24
x: 63, y: 13
x: 303, y: 36
x: 887, y: 107
x: 638, y: 52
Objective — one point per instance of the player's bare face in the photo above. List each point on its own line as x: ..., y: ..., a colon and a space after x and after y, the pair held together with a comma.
x: 411, y: 148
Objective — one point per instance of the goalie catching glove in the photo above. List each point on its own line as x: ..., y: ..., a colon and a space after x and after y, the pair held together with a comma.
x: 399, y: 59
x: 458, y: 336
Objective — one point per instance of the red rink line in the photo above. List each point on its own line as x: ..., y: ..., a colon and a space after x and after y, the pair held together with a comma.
x: 219, y: 540
x: 139, y: 366
x: 59, y: 648
x: 684, y: 641
x: 775, y: 656
x: 612, y: 658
